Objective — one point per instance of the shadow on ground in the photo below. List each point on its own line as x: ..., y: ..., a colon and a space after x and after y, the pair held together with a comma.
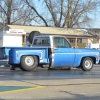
x: 75, y: 97
x: 2, y: 99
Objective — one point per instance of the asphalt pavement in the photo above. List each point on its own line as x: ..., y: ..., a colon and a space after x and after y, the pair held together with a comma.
x: 45, y: 74
x: 55, y: 84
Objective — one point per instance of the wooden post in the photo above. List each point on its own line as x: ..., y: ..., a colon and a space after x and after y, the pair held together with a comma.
x: 24, y: 40
x: 75, y: 42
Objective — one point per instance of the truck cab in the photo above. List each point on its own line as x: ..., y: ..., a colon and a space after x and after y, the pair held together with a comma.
x: 58, y: 47
x: 54, y: 50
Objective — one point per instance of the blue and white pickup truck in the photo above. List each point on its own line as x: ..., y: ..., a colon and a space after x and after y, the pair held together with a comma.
x: 55, y: 51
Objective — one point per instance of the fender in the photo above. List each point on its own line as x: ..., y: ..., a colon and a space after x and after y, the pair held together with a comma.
x: 81, y: 55
x: 17, y: 54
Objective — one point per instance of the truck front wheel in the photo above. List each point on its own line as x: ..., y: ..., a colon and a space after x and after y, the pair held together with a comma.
x: 28, y: 63
x: 87, y: 64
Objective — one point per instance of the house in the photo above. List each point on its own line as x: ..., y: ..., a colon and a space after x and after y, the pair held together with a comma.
x: 77, y: 37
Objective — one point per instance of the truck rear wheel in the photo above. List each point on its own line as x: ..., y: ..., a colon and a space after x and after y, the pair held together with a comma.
x: 87, y: 64
x: 28, y: 63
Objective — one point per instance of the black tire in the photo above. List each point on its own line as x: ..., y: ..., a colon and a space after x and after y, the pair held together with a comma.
x: 22, y: 68
x: 69, y: 68
x: 87, y: 64
x: 32, y: 34
x: 28, y: 63
x: 14, y: 66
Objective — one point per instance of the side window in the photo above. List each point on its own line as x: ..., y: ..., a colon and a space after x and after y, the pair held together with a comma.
x: 61, y: 42
x: 43, y: 41
x: 37, y: 41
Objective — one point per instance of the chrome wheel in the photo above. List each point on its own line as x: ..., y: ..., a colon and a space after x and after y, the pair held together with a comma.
x: 88, y: 64
x: 29, y: 60
x: 28, y: 63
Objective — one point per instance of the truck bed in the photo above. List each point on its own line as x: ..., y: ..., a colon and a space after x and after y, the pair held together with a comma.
x: 4, y: 52
x: 42, y: 54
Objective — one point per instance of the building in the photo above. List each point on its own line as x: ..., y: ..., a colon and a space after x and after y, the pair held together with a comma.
x: 77, y: 37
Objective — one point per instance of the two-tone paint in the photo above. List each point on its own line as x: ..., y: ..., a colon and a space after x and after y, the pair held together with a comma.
x: 54, y: 56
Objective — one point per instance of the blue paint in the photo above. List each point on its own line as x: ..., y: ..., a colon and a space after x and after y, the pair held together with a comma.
x: 61, y: 53
x: 64, y: 57
x: 4, y: 51
x: 15, y: 54
x: 10, y: 88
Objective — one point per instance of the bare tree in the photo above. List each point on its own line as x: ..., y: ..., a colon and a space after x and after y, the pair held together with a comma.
x: 65, y: 13
x: 15, y: 12
x: 56, y: 10
x: 31, y: 5
x: 57, y: 13
x: 71, y: 13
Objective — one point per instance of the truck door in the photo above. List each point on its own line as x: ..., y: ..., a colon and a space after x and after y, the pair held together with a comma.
x: 64, y: 54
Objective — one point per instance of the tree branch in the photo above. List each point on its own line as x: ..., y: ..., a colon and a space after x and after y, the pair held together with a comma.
x: 37, y: 13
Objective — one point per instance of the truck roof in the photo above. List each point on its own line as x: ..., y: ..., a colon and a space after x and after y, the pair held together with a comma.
x: 48, y: 36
